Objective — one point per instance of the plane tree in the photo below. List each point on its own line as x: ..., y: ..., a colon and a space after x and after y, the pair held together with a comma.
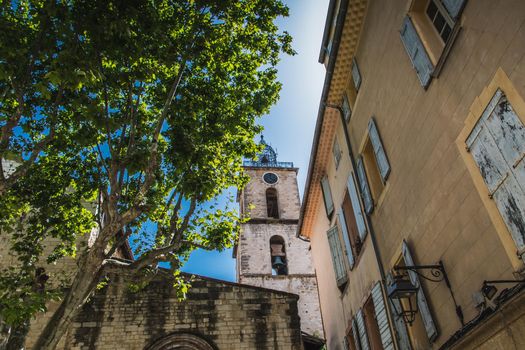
x: 124, y: 119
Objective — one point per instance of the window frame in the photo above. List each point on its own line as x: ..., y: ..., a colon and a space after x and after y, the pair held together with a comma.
x: 501, y: 82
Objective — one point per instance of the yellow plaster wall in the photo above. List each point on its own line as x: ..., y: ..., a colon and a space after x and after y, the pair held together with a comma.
x: 431, y: 199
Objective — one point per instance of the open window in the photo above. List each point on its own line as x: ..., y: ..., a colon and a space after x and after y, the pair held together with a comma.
x: 327, y: 196
x: 373, y: 168
x: 428, y: 31
x: 278, y: 256
x: 271, y: 203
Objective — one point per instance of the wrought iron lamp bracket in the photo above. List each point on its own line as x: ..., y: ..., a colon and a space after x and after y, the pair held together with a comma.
x: 437, y: 272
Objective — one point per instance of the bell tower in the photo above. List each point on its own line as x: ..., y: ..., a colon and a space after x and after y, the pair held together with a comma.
x: 269, y: 254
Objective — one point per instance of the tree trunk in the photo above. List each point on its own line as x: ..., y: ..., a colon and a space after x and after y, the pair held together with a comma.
x: 83, y: 286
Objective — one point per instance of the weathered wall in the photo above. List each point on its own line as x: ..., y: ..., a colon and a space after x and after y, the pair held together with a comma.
x: 254, y: 264
x: 227, y: 315
x: 287, y: 192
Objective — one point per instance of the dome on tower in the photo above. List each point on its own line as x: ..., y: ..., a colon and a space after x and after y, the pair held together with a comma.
x: 267, y: 158
x: 268, y: 154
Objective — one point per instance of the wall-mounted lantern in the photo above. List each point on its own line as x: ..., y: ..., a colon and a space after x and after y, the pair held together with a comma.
x: 403, y: 289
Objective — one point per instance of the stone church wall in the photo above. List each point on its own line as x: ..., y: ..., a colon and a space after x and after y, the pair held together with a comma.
x: 226, y: 315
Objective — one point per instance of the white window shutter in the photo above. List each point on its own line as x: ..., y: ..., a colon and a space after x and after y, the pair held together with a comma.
x: 497, y: 144
x: 356, y: 206
x: 346, y: 238
x: 424, y: 309
x: 403, y: 340
x: 355, y: 332
x: 327, y: 195
x: 337, y: 255
x: 363, y: 185
x: 382, y: 317
x: 361, y: 327
x: 356, y: 75
x: 454, y: 7
x: 347, y: 110
x: 379, y: 150
x: 417, y: 52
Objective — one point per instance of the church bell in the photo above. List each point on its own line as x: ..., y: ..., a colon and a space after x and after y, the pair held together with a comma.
x: 278, y: 262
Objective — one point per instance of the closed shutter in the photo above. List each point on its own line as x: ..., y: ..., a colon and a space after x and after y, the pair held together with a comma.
x: 454, y: 7
x: 337, y: 255
x: 356, y: 206
x: 363, y: 185
x: 356, y: 75
x: 416, y: 51
x: 346, y: 238
x: 382, y: 317
x: 327, y: 195
x: 347, y: 111
x: 497, y: 144
x: 424, y: 309
x: 379, y: 150
x: 355, y: 332
x: 361, y: 328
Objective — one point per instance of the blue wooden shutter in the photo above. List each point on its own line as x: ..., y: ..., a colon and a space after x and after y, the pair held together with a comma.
x: 361, y: 327
x: 347, y: 110
x: 337, y: 255
x: 327, y: 195
x: 355, y: 332
x: 363, y: 185
x: 346, y: 238
x: 424, y: 309
x: 356, y: 206
x: 454, y: 7
x: 382, y: 317
x: 416, y: 51
x: 356, y: 75
x: 379, y: 150
x: 497, y: 144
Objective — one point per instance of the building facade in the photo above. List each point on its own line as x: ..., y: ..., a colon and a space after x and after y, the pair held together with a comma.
x: 269, y: 254
x: 417, y: 161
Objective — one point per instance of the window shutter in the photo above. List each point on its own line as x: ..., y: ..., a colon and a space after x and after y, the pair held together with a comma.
x: 363, y: 337
x: 403, y: 340
x: 337, y: 255
x: 355, y: 332
x: 356, y: 75
x: 424, y: 309
x: 416, y: 51
x: 363, y: 184
x: 327, y: 195
x: 382, y: 317
x: 379, y: 150
x: 346, y: 238
x: 336, y: 151
x: 347, y: 111
x: 454, y: 7
x: 497, y: 144
x: 356, y: 206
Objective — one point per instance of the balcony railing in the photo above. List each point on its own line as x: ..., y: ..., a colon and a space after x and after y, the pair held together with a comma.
x: 252, y: 163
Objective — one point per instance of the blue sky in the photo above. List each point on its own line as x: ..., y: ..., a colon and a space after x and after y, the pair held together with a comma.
x: 290, y: 124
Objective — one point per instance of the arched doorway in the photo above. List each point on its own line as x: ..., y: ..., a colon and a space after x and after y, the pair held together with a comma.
x: 181, y: 341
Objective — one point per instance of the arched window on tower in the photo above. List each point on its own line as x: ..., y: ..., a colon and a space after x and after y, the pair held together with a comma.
x: 271, y: 203
x: 278, y: 255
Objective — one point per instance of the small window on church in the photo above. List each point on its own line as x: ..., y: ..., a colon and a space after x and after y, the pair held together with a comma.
x: 271, y: 203
x: 278, y: 256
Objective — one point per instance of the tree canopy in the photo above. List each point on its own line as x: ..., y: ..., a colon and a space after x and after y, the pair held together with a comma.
x: 120, y: 115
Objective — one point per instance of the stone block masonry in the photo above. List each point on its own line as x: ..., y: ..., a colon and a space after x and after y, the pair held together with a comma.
x: 221, y: 314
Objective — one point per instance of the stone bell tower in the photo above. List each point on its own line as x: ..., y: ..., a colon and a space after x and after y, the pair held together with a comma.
x: 268, y: 253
